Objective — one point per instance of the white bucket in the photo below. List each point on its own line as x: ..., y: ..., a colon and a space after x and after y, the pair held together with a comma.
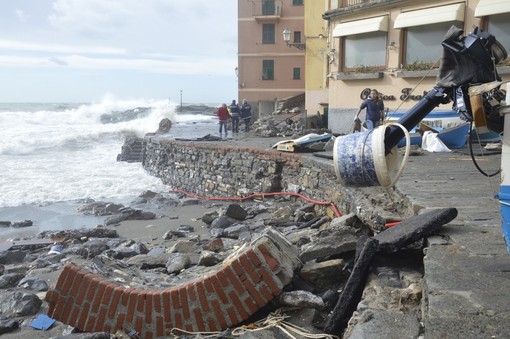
x: 360, y: 159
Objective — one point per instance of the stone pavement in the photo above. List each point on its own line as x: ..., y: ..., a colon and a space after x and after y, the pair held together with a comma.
x: 467, y: 266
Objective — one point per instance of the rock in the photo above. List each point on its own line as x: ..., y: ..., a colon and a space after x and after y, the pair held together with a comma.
x: 223, y: 222
x: 345, y: 220
x: 214, y: 245
x: 98, y: 232
x: 93, y: 248
x: 189, y: 201
x: 209, y: 217
x: 2, y: 269
x: 183, y: 246
x: 282, y: 215
x: 216, y: 232
x: 234, y: 230
x: 300, y: 299
x: 5, y: 223
x: 145, y: 261
x: 414, y: 228
x: 18, y: 304
x: 236, y: 211
x: 7, y: 325
x: 177, y: 262
x: 335, y: 241
x: 121, y: 252
x: 10, y: 279
x: 94, y: 335
x: 33, y: 284
x: 208, y: 258
x: 377, y: 321
x: 24, y: 223
x: 325, y: 273
x: 12, y: 257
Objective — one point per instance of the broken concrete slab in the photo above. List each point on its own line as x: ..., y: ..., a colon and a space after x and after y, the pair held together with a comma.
x: 414, y: 228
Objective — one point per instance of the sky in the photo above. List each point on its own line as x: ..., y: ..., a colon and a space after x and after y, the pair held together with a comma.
x: 84, y: 50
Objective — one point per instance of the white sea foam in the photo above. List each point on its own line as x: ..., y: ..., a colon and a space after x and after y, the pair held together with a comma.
x: 51, y: 153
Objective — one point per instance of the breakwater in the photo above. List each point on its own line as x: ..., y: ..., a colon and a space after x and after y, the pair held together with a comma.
x: 213, y: 169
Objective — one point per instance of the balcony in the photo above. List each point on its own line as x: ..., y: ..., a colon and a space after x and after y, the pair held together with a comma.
x: 267, y: 11
x: 348, y: 3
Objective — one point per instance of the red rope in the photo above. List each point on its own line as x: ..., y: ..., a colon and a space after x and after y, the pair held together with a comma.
x: 335, y: 210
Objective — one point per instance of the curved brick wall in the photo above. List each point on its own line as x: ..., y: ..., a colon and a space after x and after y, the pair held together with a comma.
x: 238, y: 288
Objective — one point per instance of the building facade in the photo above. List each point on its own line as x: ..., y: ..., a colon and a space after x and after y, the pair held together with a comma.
x: 269, y: 69
x: 394, y: 46
x: 316, y: 62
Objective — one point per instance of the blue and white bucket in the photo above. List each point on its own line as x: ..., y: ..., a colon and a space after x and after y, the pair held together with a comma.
x: 360, y: 159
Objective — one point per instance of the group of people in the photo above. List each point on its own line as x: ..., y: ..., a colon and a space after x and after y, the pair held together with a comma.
x: 235, y: 113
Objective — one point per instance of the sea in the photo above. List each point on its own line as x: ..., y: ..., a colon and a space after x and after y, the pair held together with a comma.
x: 54, y: 156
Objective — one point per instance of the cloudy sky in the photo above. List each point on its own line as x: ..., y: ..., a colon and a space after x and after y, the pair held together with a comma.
x: 82, y: 50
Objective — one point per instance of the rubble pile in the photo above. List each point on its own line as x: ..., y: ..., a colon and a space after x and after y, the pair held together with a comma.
x: 326, y: 245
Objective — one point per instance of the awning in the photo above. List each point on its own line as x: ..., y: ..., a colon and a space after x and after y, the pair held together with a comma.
x: 379, y: 23
x: 430, y: 16
x: 491, y: 7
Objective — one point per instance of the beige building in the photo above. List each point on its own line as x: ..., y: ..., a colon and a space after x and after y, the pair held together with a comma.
x: 269, y: 69
x: 395, y: 47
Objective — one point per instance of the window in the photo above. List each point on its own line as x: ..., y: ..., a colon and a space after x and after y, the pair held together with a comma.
x: 297, y: 2
x: 499, y: 26
x: 267, y: 69
x: 367, y: 50
x: 268, y: 7
x: 297, y: 37
x: 423, y: 43
x: 268, y: 35
x: 296, y: 73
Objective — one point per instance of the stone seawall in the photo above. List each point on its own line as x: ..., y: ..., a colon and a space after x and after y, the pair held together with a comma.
x: 211, y: 169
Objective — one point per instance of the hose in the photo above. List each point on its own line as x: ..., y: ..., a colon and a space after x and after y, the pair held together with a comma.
x: 255, y: 195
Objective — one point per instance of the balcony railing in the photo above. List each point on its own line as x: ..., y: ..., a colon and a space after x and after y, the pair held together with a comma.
x: 348, y: 3
x: 265, y: 8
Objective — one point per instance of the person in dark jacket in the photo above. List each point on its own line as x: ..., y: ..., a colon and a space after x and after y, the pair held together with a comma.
x: 375, y: 110
x: 234, y: 112
x: 223, y: 116
x: 246, y: 114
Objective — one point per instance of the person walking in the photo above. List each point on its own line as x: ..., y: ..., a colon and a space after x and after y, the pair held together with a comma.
x: 246, y: 114
x: 223, y: 116
x: 234, y: 112
x: 375, y: 110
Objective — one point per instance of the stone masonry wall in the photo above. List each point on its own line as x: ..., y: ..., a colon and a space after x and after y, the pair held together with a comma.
x: 217, y: 170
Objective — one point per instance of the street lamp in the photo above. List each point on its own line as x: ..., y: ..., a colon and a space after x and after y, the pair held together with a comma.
x: 286, y: 38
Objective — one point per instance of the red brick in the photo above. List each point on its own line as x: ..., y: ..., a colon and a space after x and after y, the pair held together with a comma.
x: 133, y: 298
x: 191, y: 291
x: 270, y: 261
x: 237, y: 267
x: 108, y: 292
x: 148, y: 307
x: 218, y: 313
x: 254, y: 293
x: 233, y: 317
x: 94, y: 286
x: 107, y: 328
x: 156, y: 300
x: 212, y: 326
x: 51, y: 297
x: 222, y: 277
x: 117, y: 294
x: 208, y: 284
x: 238, y: 305
x: 189, y: 328
x: 148, y: 335
x: 233, y: 280
x: 160, y: 330
x: 176, y: 304
x: 76, y: 284
x: 199, y: 320
x: 59, y: 308
x: 265, y: 292
x: 139, y: 324
x: 167, y: 310
x: 184, y: 303
x: 219, y: 290
x: 99, y: 296
x: 251, y: 304
x: 250, y: 253
x: 202, y: 297
x: 140, y: 301
x: 73, y: 319
x: 249, y: 268
x: 66, y: 309
x: 100, y: 319
x: 178, y: 321
x: 89, y: 327
x: 84, y: 288
x: 69, y: 278
x: 268, y: 279
x: 119, y: 325
x: 63, y: 276
x: 125, y: 297
x: 83, y: 317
